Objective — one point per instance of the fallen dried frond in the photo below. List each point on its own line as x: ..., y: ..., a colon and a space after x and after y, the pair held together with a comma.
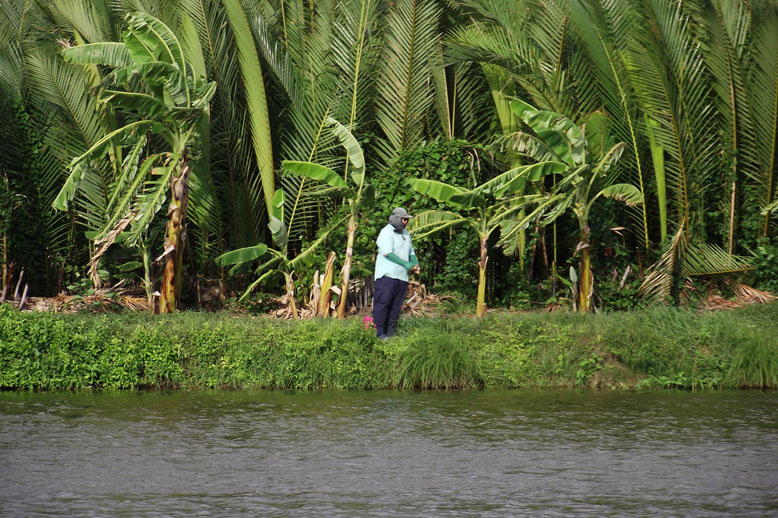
x: 717, y: 302
x: 418, y: 302
x: 99, y: 302
x: 747, y: 295
x: 744, y: 295
x: 285, y: 310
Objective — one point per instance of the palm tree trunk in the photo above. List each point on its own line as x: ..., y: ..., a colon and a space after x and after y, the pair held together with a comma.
x: 352, y: 230
x: 481, y: 303
x: 174, y: 238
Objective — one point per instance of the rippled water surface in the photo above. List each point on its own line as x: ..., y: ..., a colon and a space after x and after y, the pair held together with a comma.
x: 487, y: 453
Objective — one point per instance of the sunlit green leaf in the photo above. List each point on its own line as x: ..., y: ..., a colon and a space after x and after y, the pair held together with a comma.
x: 315, y: 171
x: 242, y: 255
x: 623, y: 192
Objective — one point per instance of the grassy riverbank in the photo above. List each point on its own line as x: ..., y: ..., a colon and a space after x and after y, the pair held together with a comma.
x: 662, y: 347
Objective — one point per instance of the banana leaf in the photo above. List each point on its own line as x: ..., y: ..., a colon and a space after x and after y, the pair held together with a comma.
x: 315, y: 171
x: 444, y: 192
x: 624, y: 192
x: 353, y: 149
x: 531, y: 173
x: 109, y: 53
x: 155, y: 37
x: 556, y: 130
x: 242, y: 255
x: 432, y: 221
x: 149, y: 106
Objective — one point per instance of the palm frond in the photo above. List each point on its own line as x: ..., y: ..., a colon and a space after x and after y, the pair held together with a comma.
x: 657, y: 284
x: 255, y: 98
x: 354, y: 57
x: 65, y: 88
x: 604, y: 32
x: 193, y: 51
x: 232, y: 170
x: 471, y: 113
x: 727, y: 26
x: 93, y: 21
x: 404, y: 78
x: 709, y: 259
x: 681, y: 259
x: 762, y: 89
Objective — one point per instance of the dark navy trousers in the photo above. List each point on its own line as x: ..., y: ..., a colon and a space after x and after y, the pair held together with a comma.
x: 388, y: 297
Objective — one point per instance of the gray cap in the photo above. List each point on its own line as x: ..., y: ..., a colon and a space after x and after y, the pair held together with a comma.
x: 396, y: 218
x: 399, y: 212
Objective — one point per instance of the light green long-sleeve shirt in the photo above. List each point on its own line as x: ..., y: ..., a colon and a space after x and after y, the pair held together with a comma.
x: 397, y: 243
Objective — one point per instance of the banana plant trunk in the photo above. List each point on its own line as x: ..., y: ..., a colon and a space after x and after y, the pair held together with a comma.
x: 346, y: 273
x: 325, y: 297
x: 147, y: 284
x: 481, y: 303
x: 175, y: 237
x: 290, y: 295
x: 585, y: 279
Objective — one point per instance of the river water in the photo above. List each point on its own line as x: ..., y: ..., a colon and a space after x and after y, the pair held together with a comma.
x: 473, y: 453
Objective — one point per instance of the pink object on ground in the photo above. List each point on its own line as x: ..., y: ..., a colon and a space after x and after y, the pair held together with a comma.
x: 368, y: 322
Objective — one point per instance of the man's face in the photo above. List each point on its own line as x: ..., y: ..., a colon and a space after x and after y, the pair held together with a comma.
x: 405, y: 221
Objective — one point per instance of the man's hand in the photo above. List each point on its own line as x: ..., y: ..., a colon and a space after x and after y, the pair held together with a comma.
x: 416, y: 269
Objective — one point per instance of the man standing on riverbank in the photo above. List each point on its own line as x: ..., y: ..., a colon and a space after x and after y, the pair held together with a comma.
x: 395, y: 257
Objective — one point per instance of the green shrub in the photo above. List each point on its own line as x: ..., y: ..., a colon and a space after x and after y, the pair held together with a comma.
x: 766, y: 265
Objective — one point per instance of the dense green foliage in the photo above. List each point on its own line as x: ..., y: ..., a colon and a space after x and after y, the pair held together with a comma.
x: 645, y: 349
x: 689, y: 88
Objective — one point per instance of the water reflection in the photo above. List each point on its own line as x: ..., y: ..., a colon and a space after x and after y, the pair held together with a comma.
x: 490, y: 453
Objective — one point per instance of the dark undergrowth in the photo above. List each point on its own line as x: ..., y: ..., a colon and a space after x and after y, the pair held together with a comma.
x: 656, y: 348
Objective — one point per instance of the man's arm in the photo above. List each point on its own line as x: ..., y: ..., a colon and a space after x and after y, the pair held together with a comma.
x: 396, y: 260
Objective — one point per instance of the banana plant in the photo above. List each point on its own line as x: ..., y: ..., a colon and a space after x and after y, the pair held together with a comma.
x: 279, y: 262
x: 356, y: 193
x: 555, y: 137
x: 484, y: 208
x: 155, y: 87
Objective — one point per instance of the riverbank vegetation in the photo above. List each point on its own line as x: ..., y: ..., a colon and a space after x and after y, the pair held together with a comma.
x: 635, y: 144
x: 653, y: 348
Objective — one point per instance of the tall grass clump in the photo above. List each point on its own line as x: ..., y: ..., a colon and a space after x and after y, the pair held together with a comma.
x: 755, y: 365
x: 753, y: 335
x: 436, y: 357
